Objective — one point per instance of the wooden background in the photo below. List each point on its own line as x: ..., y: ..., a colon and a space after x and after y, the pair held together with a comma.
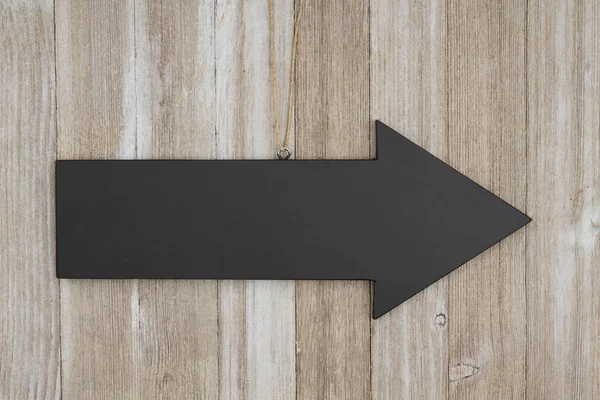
x: 506, y: 91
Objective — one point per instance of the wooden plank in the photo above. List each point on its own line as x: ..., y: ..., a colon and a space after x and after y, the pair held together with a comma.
x: 96, y: 119
x: 408, y: 92
x: 256, y: 318
x: 332, y: 121
x: 487, y: 142
x: 29, y: 292
x: 563, y: 197
x: 175, y: 98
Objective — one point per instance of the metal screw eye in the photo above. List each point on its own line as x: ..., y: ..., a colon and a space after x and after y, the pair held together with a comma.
x: 284, y: 153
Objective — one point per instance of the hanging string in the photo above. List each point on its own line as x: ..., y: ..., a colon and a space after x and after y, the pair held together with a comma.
x: 282, y: 145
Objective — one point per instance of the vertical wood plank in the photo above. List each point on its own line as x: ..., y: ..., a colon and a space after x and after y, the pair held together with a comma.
x: 29, y: 291
x: 408, y: 92
x: 332, y: 108
x: 175, y: 86
x: 96, y: 119
x: 256, y: 318
x: 563, y: 197
x: 487, y: 142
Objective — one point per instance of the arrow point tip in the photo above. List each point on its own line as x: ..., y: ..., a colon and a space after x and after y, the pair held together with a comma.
x: 520, y: 220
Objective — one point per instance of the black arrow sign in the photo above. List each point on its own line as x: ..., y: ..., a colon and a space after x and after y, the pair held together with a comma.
x: 403, y: 220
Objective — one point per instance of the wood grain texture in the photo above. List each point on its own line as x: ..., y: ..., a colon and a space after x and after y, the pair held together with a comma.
x: 408, y: 92
x: 506, y: 91
x: 563, y: 197
x: 96, y: 119
x: 256, y: 318
x: 487, y: 142
x: 29, y: 293
x: 332, y: 121
x: 175, y: 109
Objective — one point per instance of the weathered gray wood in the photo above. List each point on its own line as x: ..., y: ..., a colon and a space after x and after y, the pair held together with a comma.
x: 487, y: 142
x: 96, y: 119
x: 563, y: 197
x: 408, y: 92
x: 332, y: 121
x: 175, y: 104
x: 134, y: 80
x: 256, y: 318
x: 29, y: 292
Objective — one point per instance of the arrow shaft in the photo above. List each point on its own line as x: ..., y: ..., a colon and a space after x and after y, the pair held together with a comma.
x: 213, y: 219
